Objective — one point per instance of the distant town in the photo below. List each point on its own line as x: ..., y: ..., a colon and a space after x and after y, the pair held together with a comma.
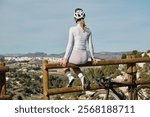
x: 24, y: 79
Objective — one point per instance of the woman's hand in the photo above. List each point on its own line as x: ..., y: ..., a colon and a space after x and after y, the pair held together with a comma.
x: 94, y: 62
x: 63, y: 62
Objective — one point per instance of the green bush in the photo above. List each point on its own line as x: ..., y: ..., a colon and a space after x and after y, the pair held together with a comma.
x: 56, y: 81
x: 145, y: 76
x: 105, y: 71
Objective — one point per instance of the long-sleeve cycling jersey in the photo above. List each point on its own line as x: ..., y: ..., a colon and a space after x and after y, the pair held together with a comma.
x: 77, y: 45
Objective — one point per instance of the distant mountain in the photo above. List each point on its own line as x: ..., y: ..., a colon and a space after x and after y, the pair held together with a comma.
x: 13, y: 55
x: 110, y: 55
x: 56, y: 55
x: 99, y: 55
x: 36, y: 54
x: 42, y: 54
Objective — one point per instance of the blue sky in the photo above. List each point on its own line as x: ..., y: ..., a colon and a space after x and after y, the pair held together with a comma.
x: 42, y: 25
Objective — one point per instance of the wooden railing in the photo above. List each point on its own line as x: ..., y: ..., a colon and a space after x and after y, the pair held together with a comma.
x: 3, y: 70
x: 131, y: 69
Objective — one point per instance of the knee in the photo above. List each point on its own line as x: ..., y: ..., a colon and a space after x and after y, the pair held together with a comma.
x: 66, y: 71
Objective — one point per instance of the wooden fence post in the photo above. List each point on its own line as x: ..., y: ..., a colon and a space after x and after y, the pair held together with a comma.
x: 2, y: 81
x: 45, y: 79
x: 131, y: 71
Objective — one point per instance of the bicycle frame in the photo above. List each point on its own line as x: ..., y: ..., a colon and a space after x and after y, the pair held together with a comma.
x: 109, y: 85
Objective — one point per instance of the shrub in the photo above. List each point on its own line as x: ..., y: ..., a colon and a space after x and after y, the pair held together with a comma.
x: 105, y: 71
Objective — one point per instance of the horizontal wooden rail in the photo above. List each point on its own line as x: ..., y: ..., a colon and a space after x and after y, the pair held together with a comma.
x: 4, y: 69
x: 100, y: 63
x: 54, y: 91
x: 6, y: 97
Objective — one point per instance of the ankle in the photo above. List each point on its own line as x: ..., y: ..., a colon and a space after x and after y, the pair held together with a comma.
x: 70, y: 79
x: 69, y: 75
x: 80, y: 75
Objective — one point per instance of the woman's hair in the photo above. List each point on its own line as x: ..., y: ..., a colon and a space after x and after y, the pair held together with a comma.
x: 77, y: 20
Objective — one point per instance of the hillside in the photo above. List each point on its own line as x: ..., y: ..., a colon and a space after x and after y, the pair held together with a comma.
x: 99, y: 55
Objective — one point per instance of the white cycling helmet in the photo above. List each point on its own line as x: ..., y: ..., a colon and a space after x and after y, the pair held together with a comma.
x: 79, y: 14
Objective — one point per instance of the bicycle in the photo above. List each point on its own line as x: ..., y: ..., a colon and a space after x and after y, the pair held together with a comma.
x: 110, y: 93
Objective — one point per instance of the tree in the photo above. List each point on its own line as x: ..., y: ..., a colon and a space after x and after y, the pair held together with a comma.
x: 148, y: 51
x: 136, y: 54
x: 124, y: 56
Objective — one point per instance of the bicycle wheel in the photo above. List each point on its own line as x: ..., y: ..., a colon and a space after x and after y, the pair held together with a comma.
x: 102, y: 95
x: 142, y: 93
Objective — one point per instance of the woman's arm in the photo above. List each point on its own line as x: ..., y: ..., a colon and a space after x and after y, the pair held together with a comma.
x: 90, y: 43
x: 91, y: 48
x: 69, y: 45
x: 69, y: 48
